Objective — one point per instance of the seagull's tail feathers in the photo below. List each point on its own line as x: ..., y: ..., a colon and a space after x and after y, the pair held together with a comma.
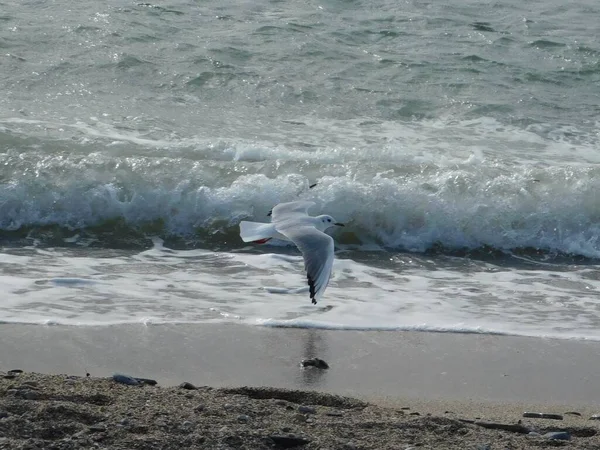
x: 256, y: 231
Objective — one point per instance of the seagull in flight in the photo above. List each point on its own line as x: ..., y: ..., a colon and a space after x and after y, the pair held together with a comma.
x: 291, y: 222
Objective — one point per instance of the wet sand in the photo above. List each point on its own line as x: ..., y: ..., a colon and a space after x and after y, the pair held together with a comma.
x: 365, y: 364
x: 456, y: 383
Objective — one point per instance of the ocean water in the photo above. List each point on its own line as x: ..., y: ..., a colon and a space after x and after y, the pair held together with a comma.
x: 459, y: 143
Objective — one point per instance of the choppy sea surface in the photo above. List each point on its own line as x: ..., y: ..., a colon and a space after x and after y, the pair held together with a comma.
x: 459, y: 142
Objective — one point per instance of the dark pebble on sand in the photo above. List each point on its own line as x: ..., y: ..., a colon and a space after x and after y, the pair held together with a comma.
x: 572, y: 413
x: 97, y: 428
x: 334, y: 413
x: 414, y: 414
x: 3, y: 414
x: 13, y: 374
x: 513, y: 428
x: 243, y: 418
x: 536, y: 415
x: 558, y: 436
x: 147, y: 381
x: 125, y: 379
x: 30, y: 395
x: 315, y: 362
x: 188, y: 386
x: 306, y: 409
x: 289, y: 441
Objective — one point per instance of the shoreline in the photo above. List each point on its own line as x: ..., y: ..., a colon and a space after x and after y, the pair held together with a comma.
x: 382, y: 390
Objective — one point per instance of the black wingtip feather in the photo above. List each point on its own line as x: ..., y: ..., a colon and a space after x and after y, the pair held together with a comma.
x: 311, y: 286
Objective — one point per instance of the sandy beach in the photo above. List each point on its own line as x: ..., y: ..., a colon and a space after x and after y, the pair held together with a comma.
x: 382, y: 390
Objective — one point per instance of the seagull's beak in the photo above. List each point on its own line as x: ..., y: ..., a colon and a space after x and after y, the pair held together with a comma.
x: 339, y: 224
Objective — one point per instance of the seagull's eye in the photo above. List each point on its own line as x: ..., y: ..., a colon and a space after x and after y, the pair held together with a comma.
x: 328, y: 220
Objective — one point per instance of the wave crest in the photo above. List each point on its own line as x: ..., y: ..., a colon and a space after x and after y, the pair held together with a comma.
x: 470, y: 207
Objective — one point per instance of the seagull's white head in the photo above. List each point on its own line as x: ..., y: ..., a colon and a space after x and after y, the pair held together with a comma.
x: 323, y: 222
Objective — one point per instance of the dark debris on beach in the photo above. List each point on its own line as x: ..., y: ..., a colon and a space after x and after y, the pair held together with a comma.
x: 65, y: 412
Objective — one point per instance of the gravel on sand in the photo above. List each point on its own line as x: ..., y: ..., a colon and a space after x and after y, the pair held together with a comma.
x: 66, y: 412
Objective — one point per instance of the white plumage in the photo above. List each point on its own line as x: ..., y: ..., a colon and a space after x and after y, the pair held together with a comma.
x: 291, y: 222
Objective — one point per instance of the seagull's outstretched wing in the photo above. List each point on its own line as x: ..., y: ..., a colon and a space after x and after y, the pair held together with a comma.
x: 317, y: 249
x: 290, y: 212
x: 292, y: 220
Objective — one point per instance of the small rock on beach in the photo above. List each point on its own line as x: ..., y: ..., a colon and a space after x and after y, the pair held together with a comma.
x: 315, y: 362
x: 147, y: 381
x: 306, y: 409
x: 538, y: 415
x: 125, y: 379
x: 289, y: 441
x: 558, y: 435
